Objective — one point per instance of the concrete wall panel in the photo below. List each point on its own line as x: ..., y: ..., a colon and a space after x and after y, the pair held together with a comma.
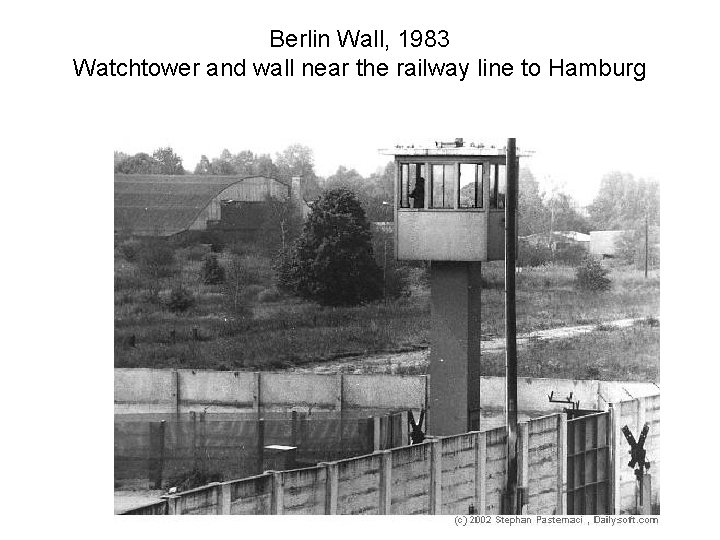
x: 304, y: 491
x: 299, y: 389
x: 222, y: 391
x: 543, y: 465
x: 495, y: 470
x: 384, y: 391
x: 458, y: 473
x: 144, y: 390
x: 251, y: 495
x: 410, y: 480
x: 358, y: 485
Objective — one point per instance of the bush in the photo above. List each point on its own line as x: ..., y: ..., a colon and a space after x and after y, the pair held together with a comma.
x: 157, y: 259
x: 592, y: 276
x: 213, y: 273
x: 180, y: 300
x: 195, y: 253
x: 533, y: 255
x: 130, y: 249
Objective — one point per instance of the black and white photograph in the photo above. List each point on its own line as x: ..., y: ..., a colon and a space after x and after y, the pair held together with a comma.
x: 372, y: 260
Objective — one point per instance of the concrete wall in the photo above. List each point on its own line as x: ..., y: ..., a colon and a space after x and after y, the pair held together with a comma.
x: 443, y: 475
x: 533, y: 393
x: 159, y: 391
x: 164, y: 391
x: 145, y: 390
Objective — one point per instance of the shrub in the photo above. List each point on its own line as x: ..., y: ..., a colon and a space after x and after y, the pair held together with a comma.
x: 157, y: 259
x: 213, y: 273
x: 591, y: 275
x: 130, y: 249
x: 533, y: 255
x: 196, y: 253
x: 180, y: 300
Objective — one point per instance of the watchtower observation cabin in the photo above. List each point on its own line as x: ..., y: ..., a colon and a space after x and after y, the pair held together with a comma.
x: 450, y: 210
x: 458, y: 212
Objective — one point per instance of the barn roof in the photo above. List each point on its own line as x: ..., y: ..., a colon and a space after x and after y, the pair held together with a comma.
x: 165, y: 204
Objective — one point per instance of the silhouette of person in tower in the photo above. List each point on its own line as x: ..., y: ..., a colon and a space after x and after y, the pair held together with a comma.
x: 418, y: 194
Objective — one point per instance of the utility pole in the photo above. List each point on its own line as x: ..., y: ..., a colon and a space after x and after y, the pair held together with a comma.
x: 512, y: 504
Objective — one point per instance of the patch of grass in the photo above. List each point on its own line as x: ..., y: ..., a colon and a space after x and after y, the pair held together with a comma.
x: 631, y: 354
x: 275, y: 331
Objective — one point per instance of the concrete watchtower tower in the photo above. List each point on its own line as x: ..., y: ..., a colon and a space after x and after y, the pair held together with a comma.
x: 450, y: 210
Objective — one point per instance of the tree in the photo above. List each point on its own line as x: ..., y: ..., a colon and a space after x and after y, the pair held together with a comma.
x: 281, y: 224
x: 624, y: 203
x: 167, y: 161
x: 213, y: 272
x: 298, y: 160
x: 163, y: 161
x: 533, y: 215
x: 203, y: 166
x: 332, y: 261
x: 564, y: 214
x: 140, y: 163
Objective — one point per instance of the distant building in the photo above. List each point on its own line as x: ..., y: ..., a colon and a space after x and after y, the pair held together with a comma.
x: 165, y: 205
x: 604, y: 243
x: 558, y: 240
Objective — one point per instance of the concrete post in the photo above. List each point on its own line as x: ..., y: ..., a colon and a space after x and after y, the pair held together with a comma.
x: 256, y: 392
x: 339, y: 392
x: 175, y: 390
x: 225, y: 502
x: 293, y: 428
x: 385, y: 487
x: 175, y: 505
x: 561, y: 479
x: 260, y: 430
x: 435, y: 476
x: 331, y: 487
x: 376, y: 433
x: 157, y: 453
x: 480, y: 460
x: 404, y: 435
x: 277, y: 493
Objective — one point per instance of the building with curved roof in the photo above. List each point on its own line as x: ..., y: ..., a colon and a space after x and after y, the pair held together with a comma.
x: 164, y: 205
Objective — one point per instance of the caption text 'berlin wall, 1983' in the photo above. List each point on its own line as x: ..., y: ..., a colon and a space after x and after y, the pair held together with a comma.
x: 436, y: 41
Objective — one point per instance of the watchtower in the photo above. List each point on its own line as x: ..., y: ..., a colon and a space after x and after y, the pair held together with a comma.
x: 450, y: 210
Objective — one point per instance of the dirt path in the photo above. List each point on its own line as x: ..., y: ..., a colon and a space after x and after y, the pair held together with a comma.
x: 392, y: 362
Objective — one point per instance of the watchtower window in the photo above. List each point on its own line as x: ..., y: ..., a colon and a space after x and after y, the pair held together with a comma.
x: 498, y: 186
x: 412, y: 192
x: 443, y: 180
x: 471, y: 186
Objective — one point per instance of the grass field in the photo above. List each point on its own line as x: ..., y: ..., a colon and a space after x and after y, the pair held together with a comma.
x: 274, y: 331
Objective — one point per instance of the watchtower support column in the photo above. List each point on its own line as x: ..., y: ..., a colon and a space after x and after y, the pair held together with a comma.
x: 455, y: 352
